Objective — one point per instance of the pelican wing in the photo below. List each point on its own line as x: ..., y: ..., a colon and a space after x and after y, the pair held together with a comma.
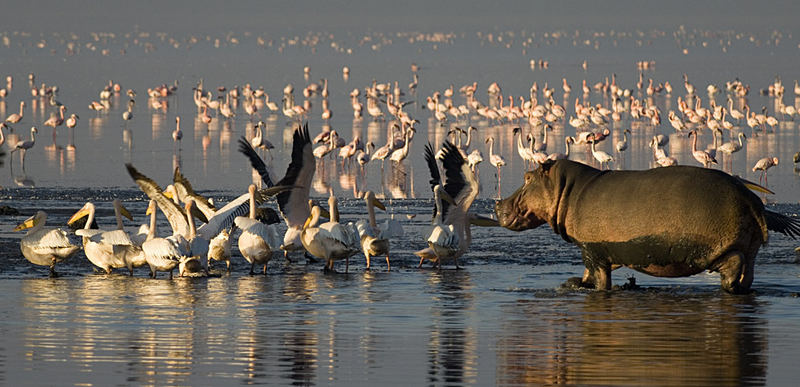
x: 113, y: 237
x: 460, y: 183
x: 255, y: 161
x: 782, y: 224
x: 436, y: 178
x: 293, y: 204
x: 225, y: 216
x: 265, y: 232
x: 444, y: 236
x: 339, y: 232
x: 90, y: 233
x: 185, y: 191
x: 140, y: 236
x: 162, y: 248
x: 46, y: 239
x: 175, y: 215
x: 430, y: 159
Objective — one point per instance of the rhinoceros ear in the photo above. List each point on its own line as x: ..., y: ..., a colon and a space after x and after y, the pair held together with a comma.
x: 547, y: 165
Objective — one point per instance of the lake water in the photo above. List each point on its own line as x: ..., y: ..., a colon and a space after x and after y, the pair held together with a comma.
x: 503, y: 319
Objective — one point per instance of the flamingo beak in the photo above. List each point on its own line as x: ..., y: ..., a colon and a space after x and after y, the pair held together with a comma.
x: 377, y: 203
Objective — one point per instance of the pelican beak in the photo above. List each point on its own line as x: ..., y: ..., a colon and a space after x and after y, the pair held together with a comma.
x: 78, y: 215
x: 124, y: 211
x: 28, y: 223
x: 197, y: 214
x: 755, y: 186
x: 377, y: 203
x: 267, y: 193
x: 168, y: 194
x: 324, y: 213
x: 150, y: 208
x: 483, y: 221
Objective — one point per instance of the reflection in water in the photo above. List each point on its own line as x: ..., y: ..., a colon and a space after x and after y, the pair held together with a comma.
x: 634, y: 338
x: 307, y: 328
x: 452, y: 347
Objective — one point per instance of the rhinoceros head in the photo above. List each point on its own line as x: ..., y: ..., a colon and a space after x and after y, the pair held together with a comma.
x: 532, y: 204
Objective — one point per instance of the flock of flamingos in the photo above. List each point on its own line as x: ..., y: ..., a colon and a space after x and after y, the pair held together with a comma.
x: 192, y: 249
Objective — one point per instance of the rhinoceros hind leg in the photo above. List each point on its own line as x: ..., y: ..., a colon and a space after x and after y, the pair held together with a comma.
x: 736, y: 273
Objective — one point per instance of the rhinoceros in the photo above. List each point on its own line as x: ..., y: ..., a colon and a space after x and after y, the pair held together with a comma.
x: 665, y: 222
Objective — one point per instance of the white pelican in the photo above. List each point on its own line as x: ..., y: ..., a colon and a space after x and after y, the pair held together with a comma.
x: 135, y: 257
x: 195, y: 263
x: 161, y: 254
x: 258, y: 240
x: 374, y: 241
x: 184, y: 192
x: 44, y: 246
x: 293, y: 204
x: 219, y: 248
x: 106, y: 249
x: 459, y: 189
x: 328, y: 241
x: 443, y: 240
x: 174, y: 213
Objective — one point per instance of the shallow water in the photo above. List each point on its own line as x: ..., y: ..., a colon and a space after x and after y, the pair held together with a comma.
x: 501, y: 320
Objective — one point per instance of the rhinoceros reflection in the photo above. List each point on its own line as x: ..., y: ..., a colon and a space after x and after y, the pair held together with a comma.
x: 634, y: 338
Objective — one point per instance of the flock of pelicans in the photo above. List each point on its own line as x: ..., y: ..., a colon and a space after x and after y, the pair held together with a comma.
x: 190, y: 248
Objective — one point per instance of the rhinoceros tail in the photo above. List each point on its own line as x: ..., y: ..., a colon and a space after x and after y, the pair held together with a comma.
x: 782, y: 224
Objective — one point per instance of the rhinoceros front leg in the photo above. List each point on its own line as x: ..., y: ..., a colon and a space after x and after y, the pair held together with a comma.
x: 597, y: 274
x: 736, y: 272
